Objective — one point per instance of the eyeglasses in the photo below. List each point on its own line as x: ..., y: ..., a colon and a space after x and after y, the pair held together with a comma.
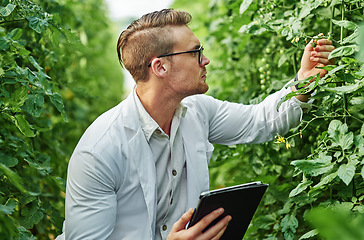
x: 199, y: 50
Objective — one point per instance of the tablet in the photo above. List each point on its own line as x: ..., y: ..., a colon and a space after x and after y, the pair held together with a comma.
x: 240, y: 202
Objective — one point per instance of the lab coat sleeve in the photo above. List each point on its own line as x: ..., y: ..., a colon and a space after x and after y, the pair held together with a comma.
x: 233, y: 123
x: 91, y: 198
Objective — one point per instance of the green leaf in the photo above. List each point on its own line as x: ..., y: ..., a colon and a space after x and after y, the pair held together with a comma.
x: 346, y: 140
x: 289, y: 223
x: 56, y: 99
x: 23, y: 125
x: 34, y: 104
x: 346, y: 89
x: 344, y: 51
x: 362, y: 172
x: 286, y: 56
x: 4, y: 43
x: 8, y: 160
x: 346, y: 173
x: 15, y: 34
x: 73, y: 39
x: 332, y: 71
x: 252, y: 28
x: 244, y: 6
x: 61, y: 183
x: 53, y: 34
x: 336, y: 223
x: 326, y: 180
x: 309, y: 234
x: 314, y: 167
x: 285, y: 98
x: 353, y: 38
x: 14, y: 178
x: 300, y: 188
x: 345, y: 24
x: 32, y: 214
x: 18, y: 98
x: 25, y: 234
x: 6, y: 11
x: 9, y: 206
x: 334, y: 131
x: 37, y: 24
x: 35, y: 64
x: 357, y: 101
x: 309, y: 7
x: 40, y: 162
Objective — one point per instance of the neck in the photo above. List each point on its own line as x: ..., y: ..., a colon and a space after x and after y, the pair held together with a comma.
x: 160, y: 104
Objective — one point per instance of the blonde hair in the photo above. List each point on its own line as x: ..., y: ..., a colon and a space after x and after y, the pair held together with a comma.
x: 148, y: 37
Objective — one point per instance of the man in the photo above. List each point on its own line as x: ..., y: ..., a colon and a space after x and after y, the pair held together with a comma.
x: 140, y: 166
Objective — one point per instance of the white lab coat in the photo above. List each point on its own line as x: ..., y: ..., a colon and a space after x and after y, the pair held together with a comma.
x: 111, y: 185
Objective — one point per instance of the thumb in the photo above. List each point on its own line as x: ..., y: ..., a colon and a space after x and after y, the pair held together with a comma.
x: 182, y: 222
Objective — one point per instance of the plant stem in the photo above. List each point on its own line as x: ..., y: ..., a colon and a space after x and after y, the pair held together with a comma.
x: 331, y: 23
x: 342, y: 19
x: 354, y: 188
x: 12, y: 21
x: 345, y: 107
x: 294, y: 63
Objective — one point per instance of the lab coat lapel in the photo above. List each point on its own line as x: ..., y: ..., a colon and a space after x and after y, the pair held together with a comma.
x: 196, y: 161
x: 144, y: 162
x: 142, y: 157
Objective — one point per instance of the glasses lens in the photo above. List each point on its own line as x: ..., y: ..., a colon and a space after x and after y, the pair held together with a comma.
x: 200, y: 55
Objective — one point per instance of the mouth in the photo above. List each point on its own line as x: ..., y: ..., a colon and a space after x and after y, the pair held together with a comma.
x: 204, y: 77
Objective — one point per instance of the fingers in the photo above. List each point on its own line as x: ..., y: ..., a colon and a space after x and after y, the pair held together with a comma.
x: 182, y: 222
x: 324, y: 42
x: 321, y: 52
x: 204, y: 222
x: 195, y: 232
x: 219, y: 228
x: 218, y: 236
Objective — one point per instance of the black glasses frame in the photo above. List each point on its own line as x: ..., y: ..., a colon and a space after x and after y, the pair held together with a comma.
x: 199, y: 50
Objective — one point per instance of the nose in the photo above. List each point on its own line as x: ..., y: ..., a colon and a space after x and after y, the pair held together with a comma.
x: 205, y: 61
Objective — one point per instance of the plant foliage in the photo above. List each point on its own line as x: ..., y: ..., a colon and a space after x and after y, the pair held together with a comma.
x: 49, y: 50
x: 255, y: 48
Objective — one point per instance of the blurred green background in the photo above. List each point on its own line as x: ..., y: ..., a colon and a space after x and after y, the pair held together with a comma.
x: 59, y: 71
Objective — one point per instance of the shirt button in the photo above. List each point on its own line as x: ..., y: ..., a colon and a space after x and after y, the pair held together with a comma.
x: 164, y: 227
x: 158, y: 131
x: 174, y: 172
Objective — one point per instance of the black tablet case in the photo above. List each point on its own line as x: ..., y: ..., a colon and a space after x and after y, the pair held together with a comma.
x: 240, y: 202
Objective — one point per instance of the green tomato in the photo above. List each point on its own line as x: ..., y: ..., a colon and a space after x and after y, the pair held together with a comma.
x: 268, y: 50
x: 261, y: 69
x: 261, y: 76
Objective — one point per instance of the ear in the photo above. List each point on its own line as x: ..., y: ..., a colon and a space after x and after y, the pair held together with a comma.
x: 159, y: 67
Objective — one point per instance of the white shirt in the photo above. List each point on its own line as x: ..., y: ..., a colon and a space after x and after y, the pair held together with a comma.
x: 170, y: 165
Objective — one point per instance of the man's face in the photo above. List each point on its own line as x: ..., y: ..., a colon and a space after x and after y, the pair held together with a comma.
x: 187, y: 76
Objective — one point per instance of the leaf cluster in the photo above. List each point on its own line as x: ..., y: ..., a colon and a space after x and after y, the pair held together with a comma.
x: 255, y: 48
x: 48, y: 51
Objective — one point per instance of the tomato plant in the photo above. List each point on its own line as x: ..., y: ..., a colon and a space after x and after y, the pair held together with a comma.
x: 255, y: 48
x: 52, y: 70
